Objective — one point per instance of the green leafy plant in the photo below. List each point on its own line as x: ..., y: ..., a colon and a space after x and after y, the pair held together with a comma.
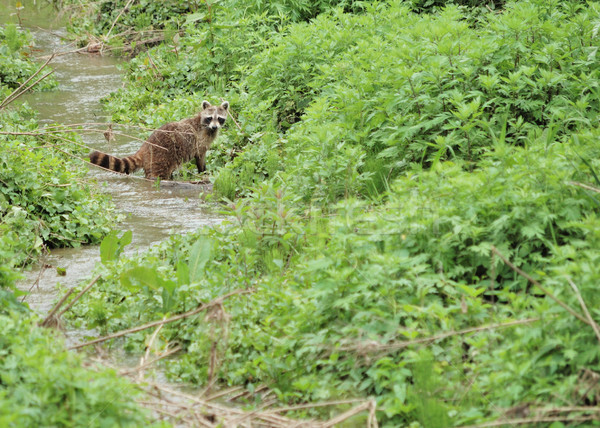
x: 43, y: 384
x: 377, y: 176
x: 113, y: 245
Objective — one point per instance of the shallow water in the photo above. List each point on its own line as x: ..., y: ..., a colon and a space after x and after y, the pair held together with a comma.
x: 151, y: 213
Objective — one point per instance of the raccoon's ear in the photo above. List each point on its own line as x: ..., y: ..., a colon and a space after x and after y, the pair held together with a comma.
x: 205, y: 105
x: 225, y: 105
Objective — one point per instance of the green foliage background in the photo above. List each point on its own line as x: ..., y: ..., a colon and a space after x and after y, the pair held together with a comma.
x: 379, y: 151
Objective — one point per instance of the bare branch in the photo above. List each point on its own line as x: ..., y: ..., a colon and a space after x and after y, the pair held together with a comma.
x: 585, y: 309
x: 540, y: 286
x: 193, y: 312
x: 20, y: 91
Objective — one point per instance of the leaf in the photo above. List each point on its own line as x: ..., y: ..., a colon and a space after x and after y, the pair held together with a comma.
x: 140, y: 276
x: 108, y: 247
x: 183, y: 273
x: 200, y: 254
x: 168, y: 300
x: 195, y: 17
x: 112, y: 246
x: 319, y: 264
x: 126, y: 238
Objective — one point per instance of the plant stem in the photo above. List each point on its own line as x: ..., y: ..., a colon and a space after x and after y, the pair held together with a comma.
x: 199, y: 309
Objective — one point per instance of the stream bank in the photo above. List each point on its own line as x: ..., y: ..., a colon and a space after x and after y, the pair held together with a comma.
x: 152, y: 213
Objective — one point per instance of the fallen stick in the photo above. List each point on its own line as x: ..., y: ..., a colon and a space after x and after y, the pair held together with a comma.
x: 540, y: 286
x: 7, y: 101
x: 315, y: 405
x: 199, y: 309
x: 144, y: 359
x: 149, y: 363
x: 367, y: 405
x: 50, y: 316
x: 118, y: 16
x: 81, y: 293
x: 16, y: 94
x: 585, y: 309
x: 274, y: 420
x: 223, y: 393
x: 237, y: 420
x: 400, y: 345
x: 585, y: 186
x: 588, y: 409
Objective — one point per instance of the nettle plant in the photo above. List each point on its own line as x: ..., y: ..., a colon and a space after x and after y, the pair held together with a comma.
x: 337, y: 296
x: 45, y: 201
x: 417, y: 89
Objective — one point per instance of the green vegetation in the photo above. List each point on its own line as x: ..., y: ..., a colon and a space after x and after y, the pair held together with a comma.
x: 45, y: 203
x: 15, y: 67
x: 44, y: 200
x: 42, y: 384
x: 384, y: 155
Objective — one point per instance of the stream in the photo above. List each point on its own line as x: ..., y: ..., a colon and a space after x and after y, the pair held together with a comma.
x: 151, y: 214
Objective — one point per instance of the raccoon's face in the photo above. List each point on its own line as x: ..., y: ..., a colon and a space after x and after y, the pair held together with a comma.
x: 213, y: 117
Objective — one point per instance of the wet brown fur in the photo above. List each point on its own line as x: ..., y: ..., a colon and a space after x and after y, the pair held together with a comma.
x: 171, y: 145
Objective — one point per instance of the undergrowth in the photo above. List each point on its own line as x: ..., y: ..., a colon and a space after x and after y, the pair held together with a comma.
x: 337, y: 297
x: 46, y: 202
x: 377, y: 157
x: 42, y: 384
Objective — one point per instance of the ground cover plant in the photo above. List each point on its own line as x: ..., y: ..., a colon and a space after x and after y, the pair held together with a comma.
x: 44, y: 200
x: 43, y: 384
x: 45, y: 203
x: 381, y: 165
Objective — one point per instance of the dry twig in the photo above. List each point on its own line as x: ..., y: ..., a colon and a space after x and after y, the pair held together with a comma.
x: 144, y: 359
x: 539, y: 286
x: 585, y: 309
x: 534, y: 420
x: 50, y: 318
x: 81, y: 293
x: 585, y: 186
x: 377, y: 347
x: 20, y: 91
x: 368, y: 405
x: 119, y: 16
x: 193, y: 312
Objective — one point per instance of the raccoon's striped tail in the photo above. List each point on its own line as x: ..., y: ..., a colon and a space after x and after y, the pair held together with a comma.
x: 126, y: 165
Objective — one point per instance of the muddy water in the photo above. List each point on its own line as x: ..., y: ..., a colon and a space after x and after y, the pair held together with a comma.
x: 152, y: 214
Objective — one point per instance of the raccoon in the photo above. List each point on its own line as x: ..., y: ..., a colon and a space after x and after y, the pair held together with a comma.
x: 171, y: 145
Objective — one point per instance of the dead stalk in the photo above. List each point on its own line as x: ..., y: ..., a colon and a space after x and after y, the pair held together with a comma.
x: 585, y: 309
x: 585, y: 186
x: 81, y: 293
x: 147, y: 364
x: 143, y: 360
x: 20, y: 91
x: 539, y: 286
x: 315, y: 405
x: 535, y: 420
x: 47, y: 321
x: 118, y: 16
x: 401, y: 345
x: 193, y: 312
x: 225, y: 392
x: 367, y: 405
